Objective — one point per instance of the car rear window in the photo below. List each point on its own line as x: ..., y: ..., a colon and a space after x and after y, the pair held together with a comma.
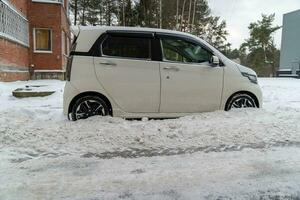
x: 127, y: 47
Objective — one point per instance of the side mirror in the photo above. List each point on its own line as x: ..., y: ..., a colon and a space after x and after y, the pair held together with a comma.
x: 215, y: 60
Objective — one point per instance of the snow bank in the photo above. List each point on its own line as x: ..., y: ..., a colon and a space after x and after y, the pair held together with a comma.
x: 38, y: 124
x: 35, y: 109
x: 242, y: 154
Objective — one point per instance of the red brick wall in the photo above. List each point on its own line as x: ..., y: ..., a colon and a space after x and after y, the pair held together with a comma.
x: 21, y: 5
x: 45, y: 15
x: 66, y: 29
x: 13, y: 54
x: 14, y: 76
x: 64, y: 20
x: 39, y: 15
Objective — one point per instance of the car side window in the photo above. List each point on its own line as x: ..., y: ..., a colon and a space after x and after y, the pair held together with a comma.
x: 179, y: 50
x: 127, y: 47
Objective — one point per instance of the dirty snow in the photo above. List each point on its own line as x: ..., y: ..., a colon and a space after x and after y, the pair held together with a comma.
x: 242, y: 154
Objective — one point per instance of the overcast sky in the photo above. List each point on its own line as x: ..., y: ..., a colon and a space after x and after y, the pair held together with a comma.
x: 240, y: 13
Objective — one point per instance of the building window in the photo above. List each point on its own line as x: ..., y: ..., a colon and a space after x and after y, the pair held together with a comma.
x: 43, y: 40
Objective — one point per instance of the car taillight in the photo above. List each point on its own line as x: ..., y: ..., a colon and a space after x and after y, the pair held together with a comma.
x: 69, y: 68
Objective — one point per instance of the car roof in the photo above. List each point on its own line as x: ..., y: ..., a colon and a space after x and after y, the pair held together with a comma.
x: 89, y: 34
x: 101, y: 29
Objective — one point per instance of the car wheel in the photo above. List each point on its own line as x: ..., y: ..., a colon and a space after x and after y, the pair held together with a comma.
x: 241, y: 101
x: 89, y: 106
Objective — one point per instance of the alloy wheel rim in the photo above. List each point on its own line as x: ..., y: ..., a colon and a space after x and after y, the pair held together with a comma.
x: 89, y: 108
x: 243, y: 103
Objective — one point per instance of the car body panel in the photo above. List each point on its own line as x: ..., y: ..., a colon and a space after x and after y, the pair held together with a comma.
x: 191, y: 87
x: 83, y: 80
x: 234, y: 82
x: 133, y: 84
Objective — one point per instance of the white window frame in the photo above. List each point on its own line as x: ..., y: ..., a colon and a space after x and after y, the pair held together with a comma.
x: 63, y: 43
x: 48, y: 1
x: 34, y: 41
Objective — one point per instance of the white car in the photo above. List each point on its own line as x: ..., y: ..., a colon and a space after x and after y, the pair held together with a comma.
x: 141, y: 72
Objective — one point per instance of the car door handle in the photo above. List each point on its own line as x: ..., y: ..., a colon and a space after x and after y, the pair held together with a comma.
x: 108, y: 63
x: 176, y: 69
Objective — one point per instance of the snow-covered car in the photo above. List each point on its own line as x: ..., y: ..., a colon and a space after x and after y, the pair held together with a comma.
x: 141, y: 72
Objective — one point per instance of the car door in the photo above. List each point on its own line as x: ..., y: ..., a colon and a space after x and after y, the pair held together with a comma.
x: 189, y: 82
x: 128, y: 74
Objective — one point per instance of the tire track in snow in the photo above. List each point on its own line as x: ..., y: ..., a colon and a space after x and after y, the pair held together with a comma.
x: 137, y: 153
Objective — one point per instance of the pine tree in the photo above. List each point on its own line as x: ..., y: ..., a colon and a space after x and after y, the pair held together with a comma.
x: 261, y: 47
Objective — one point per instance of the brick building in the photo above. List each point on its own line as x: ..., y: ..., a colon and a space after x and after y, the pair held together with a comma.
x: 34, y: 39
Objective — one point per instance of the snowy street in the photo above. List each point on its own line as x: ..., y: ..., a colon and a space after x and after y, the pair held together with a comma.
x: 241, y: 154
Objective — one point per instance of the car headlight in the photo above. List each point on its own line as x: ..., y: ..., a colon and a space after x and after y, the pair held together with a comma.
x: 251, y: 77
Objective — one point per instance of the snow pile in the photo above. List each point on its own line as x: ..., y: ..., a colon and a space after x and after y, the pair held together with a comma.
x: 281, y: 94
x: 113, y: 137
x: 38, y: 124
x: 242, y: 154
x: 36, y: 109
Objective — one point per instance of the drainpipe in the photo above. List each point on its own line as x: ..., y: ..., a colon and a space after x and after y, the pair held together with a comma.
x: 298, y: 69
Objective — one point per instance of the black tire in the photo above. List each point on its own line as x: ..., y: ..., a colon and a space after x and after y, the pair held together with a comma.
x: 89, y: 106
x: 241, y: 100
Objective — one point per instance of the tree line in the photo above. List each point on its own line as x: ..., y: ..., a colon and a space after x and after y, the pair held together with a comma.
x: 194, y: 16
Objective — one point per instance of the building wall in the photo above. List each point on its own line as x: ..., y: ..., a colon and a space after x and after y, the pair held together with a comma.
x: 65, y: 27
x: 21, y: 5
x: 290, y: 47
x: 43, y: 15
x: 14, y: 57
x: 16, y: 60
x: 13, y: 62
x: 6, y: 76
x: 13, y: 54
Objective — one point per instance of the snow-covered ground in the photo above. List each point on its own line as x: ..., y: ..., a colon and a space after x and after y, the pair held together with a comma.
x: 242, y: 154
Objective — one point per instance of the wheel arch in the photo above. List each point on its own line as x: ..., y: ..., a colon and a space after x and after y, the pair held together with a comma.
x: 243, y: 92
x: 90, y: 93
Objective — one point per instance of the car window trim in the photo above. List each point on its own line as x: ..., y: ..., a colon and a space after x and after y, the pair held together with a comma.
x: 128, y: 33
x: 185, y: 63
x: 183, y: 37
x: 126, y: 58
